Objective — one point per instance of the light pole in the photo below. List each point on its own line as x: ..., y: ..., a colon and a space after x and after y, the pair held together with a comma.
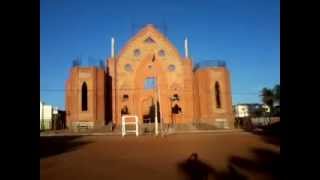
x: 156, y: 107
x: 115, y: 62
x: 157, y: 98
x: 161, y: 126
x: 156, y: 114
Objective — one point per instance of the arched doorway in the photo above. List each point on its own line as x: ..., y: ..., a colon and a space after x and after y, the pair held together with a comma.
x: 148, y: 110
x: 145, y: 110
x: 148, y: 114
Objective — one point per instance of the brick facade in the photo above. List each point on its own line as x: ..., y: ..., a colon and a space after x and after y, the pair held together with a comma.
x: 94, y: 79
x: 149, y: 54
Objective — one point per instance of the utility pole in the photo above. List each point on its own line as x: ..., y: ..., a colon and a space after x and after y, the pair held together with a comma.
x: 186, y: 48
x: 157, y: 96
x: 156, y: 107
x: 161, y: 117
x: 156, y: 113
x: 115, y: 82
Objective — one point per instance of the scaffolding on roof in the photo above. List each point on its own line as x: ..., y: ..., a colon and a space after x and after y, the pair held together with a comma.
x: 209, y: 63
x: 91, y: 62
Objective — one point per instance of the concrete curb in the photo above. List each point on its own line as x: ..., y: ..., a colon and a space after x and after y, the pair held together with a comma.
x: 81, y: 134
x: 208, y: 131
x: 171, y: 133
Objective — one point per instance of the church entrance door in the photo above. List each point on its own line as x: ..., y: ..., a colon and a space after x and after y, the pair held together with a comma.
x: 148, y: 114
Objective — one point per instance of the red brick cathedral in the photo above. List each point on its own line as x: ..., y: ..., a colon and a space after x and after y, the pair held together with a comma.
x: 149, y: 74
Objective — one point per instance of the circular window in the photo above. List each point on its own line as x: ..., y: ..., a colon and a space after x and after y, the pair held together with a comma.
x: 161, y: 53
x: 171, y: 67
x: 128, y: 67
x: 136, y: 52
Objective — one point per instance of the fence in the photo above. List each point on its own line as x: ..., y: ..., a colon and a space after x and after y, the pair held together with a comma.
x: 209, y: 63
x: 261, y: 121
x: 255, y: 122
x: 91, y: 62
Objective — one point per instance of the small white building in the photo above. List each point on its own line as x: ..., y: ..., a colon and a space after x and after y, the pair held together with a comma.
x: 46, y: 113
x: 266, y: 108
x: 246, y: 110
x: 241, y: 110
x: 41, y: 104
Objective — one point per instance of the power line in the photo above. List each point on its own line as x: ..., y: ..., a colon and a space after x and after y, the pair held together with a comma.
x: 142, y: 89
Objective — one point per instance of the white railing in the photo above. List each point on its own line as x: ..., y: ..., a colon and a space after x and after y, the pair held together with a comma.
x: 124, y: 123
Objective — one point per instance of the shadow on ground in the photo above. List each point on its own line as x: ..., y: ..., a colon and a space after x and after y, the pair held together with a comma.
x: 265, y: 163
x: 194, y: 169
x: 50, y: 146
x: 270, y: 134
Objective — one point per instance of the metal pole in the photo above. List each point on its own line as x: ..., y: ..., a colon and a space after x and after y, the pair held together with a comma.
x: 112, y: 47
x: 115, y: 90
x: 156, y: 101
x: 156, y: 111
x: 186, y: 50
x: 161, y: 127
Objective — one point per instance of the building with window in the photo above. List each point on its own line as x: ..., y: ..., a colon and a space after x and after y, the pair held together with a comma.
x: 149, y: 74
x: 250, y: 110
x: 46, y: 112
x: 51, y: 117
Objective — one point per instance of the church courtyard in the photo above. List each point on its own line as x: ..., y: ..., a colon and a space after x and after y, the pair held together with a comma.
x: 232, y: 155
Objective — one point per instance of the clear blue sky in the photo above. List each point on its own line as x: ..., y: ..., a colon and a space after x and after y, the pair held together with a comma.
x: 244, y: 33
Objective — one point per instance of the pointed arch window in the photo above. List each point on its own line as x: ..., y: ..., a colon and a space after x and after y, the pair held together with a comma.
x: 84, y: 97
x: 217, y: 95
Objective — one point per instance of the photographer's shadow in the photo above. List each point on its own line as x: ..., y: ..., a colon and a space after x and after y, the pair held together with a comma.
x: 193, y: 168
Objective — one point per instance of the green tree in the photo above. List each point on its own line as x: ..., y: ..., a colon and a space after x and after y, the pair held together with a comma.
x: 270, y: 96
x: 267, y: 97
x: 276, y: 92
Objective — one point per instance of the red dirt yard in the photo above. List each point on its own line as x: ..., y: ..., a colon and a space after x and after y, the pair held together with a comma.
x: 237, y: 155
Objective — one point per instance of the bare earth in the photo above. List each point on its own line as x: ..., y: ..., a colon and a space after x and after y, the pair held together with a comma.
x: 215, y: 156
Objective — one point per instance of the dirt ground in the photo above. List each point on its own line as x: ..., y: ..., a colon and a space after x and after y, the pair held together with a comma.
x: 238, y: 155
